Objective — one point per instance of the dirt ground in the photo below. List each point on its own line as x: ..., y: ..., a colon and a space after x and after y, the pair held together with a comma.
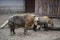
x: 40, y: 35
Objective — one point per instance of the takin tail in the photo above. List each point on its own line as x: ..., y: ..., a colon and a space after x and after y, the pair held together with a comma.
x: 3, y: 25
x: 6, y: 22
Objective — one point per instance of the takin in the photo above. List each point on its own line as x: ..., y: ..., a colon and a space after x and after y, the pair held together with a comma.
x: 43, y: 22
x: 25, y: 22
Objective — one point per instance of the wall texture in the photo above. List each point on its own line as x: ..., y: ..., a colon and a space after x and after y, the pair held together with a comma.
x: 47, y: 7
x: 41, y: 7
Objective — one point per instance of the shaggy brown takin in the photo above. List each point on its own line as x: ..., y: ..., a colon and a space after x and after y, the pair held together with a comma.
x: 25, y: 22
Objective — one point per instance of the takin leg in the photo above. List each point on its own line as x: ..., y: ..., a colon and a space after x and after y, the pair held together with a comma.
x: 25, y: 30
x: 14, y: 31
x: 12, y: 28
x: 34, y: 27
x: 45, y: 26
x: 40, y: 27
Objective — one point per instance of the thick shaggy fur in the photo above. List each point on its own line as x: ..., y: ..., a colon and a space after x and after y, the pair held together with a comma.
x: 25, y: 22
x: 15, y: 22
